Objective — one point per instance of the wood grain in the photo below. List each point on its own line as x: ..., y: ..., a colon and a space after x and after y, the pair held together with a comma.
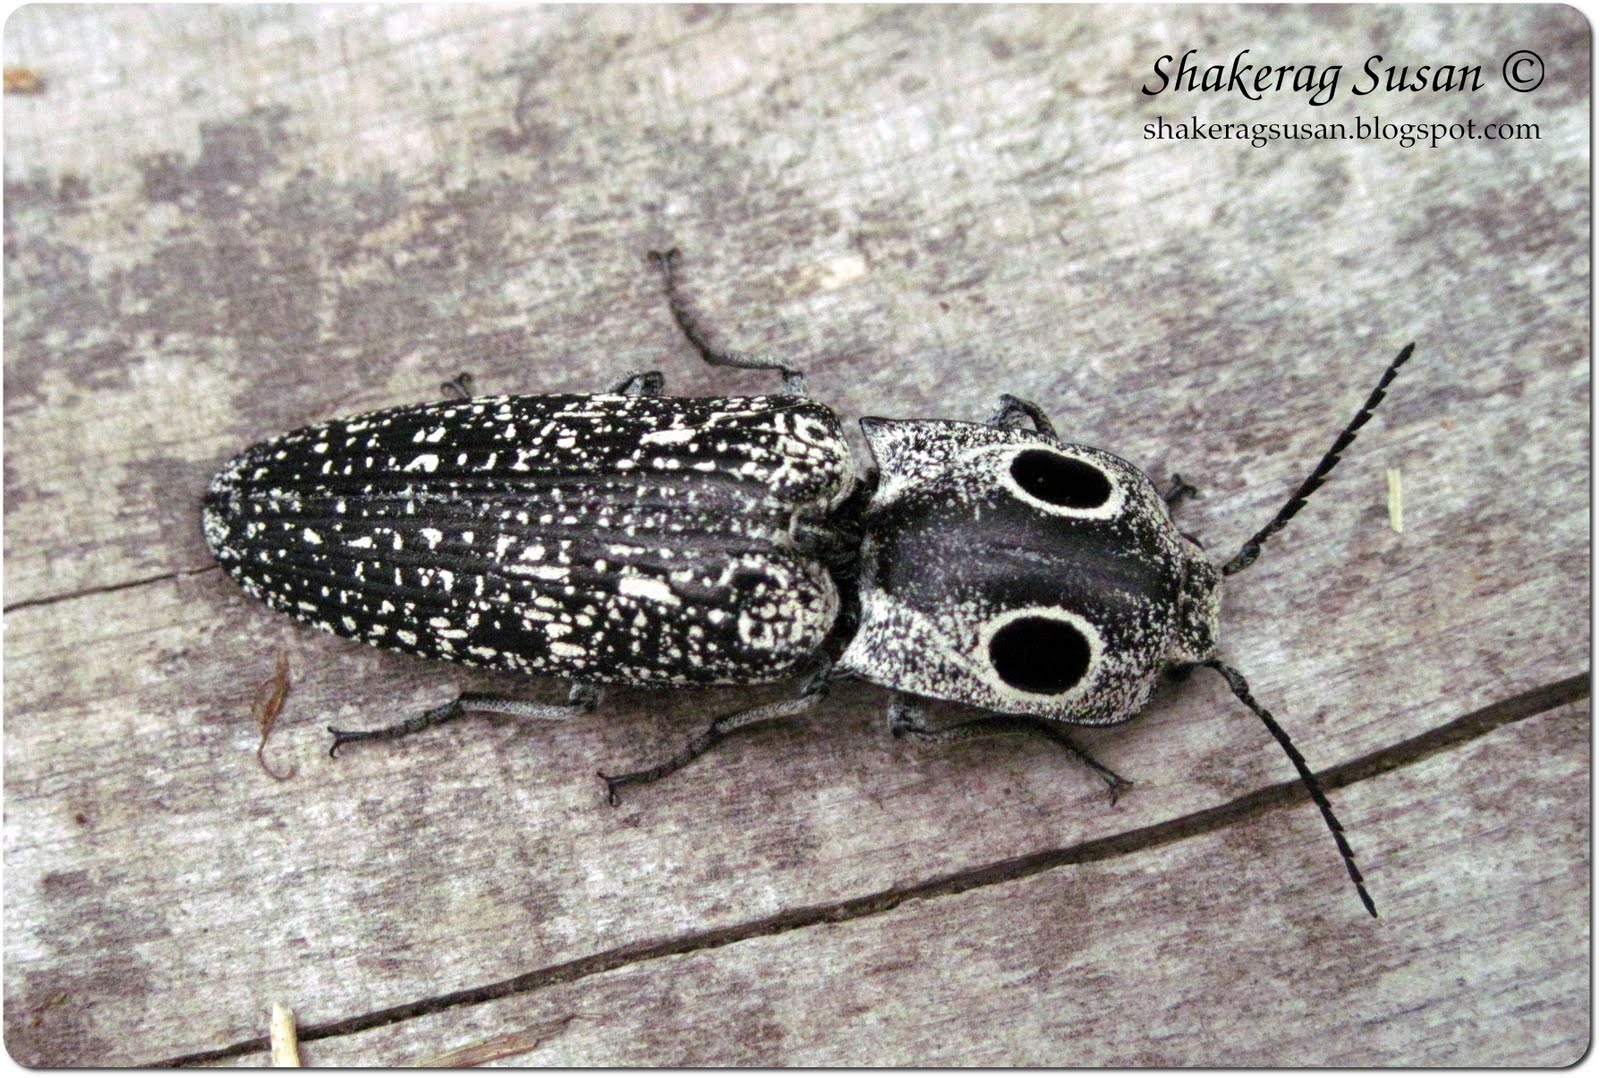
x: 223, y: 223
x: 1058, y: 967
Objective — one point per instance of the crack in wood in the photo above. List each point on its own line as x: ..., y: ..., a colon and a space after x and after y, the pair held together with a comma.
x: 106, y: 589
x: 1451, y: 735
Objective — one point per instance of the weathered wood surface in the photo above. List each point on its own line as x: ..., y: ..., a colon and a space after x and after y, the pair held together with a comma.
x: 222, y: 223
x: 1112, y: 963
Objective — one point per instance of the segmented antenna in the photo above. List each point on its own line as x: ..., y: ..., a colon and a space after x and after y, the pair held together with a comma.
x: 1252, y: 549
x: 1241, y: 689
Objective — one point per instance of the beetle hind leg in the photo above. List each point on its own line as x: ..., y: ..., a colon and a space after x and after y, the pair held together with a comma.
x: 810, y: 693
x: 580, y: 701
x: 908, y: 720
x: 794, y: 380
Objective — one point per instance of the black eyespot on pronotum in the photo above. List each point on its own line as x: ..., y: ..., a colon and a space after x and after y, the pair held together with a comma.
x: 1060, y: 480
x: 1039, y: 654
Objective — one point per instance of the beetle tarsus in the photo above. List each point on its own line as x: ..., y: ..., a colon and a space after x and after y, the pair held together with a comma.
x: 687, y: 755
x: 794, y: 380
x: 1014, y: 411
x: 813, y: 690
x: 1178, y: 491
x: 459, y: 387
x: 1116, y: 785
x: 431, y: 717
x: 642, y: 384
x: 906, y: 718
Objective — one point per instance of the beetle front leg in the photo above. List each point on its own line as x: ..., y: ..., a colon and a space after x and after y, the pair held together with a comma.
x: 580, y: 701
x: 907, y: 719
x: 1178, y: 491
x: 1014, y: 412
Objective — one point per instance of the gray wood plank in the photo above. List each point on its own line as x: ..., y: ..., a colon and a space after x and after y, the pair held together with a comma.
x: 1201, y: 953
x: 925, y: 207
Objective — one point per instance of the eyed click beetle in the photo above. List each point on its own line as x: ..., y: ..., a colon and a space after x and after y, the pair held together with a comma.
x: 630, y: 538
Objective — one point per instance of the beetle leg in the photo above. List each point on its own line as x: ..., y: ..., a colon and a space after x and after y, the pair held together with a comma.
x: 811, y: 692
x: 1115, y: 783
x: 637, y: 384
x: 1179, y: 491
x: 794, y: 381
x: 1013, y: 411
x: 581, y: 700
x: 1178, y: 673
x: 908, y: 719
x: 641, y: 384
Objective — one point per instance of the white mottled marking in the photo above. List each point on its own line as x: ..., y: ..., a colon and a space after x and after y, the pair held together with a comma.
x: 644, y: 587
x: 668, y: 437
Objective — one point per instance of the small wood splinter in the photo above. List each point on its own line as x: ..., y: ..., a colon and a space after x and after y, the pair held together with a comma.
x: 283, y: 1038
x: 1396, y: 517
x: 269, y: 702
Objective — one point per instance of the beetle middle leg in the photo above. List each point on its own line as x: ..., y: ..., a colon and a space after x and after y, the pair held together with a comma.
x: 641, y: 384
x: 637, y: 384
x: 906, y: 719
x: 580, y: 701
x: 815, y: 688
x: 794, y: 380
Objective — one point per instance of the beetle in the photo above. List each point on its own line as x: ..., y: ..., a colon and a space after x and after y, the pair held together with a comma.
x: 631, y: 538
